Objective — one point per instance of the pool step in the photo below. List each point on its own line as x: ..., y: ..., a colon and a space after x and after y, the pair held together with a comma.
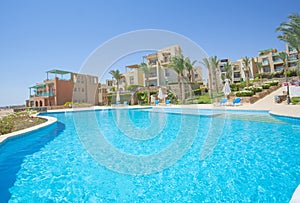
x: 252, y: 117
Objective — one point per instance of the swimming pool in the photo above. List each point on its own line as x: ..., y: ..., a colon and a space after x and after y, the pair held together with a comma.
x: 154, y: 155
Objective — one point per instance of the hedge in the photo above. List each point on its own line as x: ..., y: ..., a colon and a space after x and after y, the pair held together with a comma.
x: 197, y: 92
x: 265, y: 86
x: 244, y: 93
x: 272, y: 83
x: 253, y: 89
x: 295, y: 100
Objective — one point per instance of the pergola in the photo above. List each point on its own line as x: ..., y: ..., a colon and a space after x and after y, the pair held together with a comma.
x: 56, y: 72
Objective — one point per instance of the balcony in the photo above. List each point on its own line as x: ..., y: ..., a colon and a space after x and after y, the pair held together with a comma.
x: 152, y: 75
x: 277, y: 60
x: 265, y: 63
x: 45, y: 94
x: 292, y: 59
x: 278, y: 68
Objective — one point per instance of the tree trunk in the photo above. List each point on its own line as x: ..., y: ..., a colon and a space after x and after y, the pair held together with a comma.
x: 148, y: 89
x: 217, y: 84
x: 190, y: 85
x: 247, y: 78
x: 182, y: 89
x: 210, y: 85
x: 179, y: 87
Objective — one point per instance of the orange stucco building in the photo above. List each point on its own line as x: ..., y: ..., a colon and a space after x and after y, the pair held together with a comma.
x: 64, y: 87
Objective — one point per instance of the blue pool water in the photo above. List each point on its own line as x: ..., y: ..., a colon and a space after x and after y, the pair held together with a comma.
x: 154, y: 156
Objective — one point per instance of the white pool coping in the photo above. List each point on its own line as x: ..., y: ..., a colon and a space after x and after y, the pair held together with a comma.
x: 50, y: 120
x: 292, y: 111
x: 296, y: 195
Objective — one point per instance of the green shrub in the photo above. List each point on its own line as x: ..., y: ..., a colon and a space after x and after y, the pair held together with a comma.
x: 143, y: 96
x: 233, y: 87
x: 109, y: 96
x: 295, y: 100
x: 265, y: 86
x: 197, y: 92
x: 272, y: 83
x: 172, y: 83
x: 253, y: 89
x: 172, y: 96
x: 244, y: 93
x: 6, y: 126
x: 270, y: 76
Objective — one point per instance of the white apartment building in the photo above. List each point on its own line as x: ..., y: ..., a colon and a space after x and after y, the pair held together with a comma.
x: 160, y: 74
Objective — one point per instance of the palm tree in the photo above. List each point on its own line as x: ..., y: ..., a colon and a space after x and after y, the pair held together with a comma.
x: 214, y: 65
x: 146, y: 70
x: 189, y: 67
x: 117, y: 75
x: 260, y: 69
x: 228, y: 69
x: 283, y: 56
x: 178, y: 64
x: 246, y: 69
x: 208, y: 66
x: 291, y: 34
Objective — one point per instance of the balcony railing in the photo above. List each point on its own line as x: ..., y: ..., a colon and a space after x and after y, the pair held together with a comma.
x: 293, y: 59
x: 265, y: 62
x: 277, y: 60
x: 45, y: 94
x: 151, y: 75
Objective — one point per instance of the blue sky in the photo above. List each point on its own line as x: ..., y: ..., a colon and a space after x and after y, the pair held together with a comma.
x: 37, y: 36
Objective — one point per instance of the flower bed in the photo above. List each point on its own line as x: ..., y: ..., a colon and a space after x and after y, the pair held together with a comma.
x: 19, y: 121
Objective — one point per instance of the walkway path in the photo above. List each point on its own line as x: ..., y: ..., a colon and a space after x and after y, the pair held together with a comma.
x: 268, y: 103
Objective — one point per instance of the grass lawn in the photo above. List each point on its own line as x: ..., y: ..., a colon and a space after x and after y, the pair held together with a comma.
x: 204, y: 99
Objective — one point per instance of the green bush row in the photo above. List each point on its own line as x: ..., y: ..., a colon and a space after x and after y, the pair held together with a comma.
x: 244, y: 93
x: 254, y: 89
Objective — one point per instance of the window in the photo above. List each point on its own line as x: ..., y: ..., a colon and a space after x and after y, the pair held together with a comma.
x: 95, y: 80
x: 131, y: 80
x: 75, y: 89
x: 167, y: 72
x: 265, y: 61
x: 82, y: 89
x: 267, y: 69
x: 166, y: 58
x: 152, y: 61
x: 278, y: 68
x: 196, y: 75
x: 236, y: 75
x: 109, y: 83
